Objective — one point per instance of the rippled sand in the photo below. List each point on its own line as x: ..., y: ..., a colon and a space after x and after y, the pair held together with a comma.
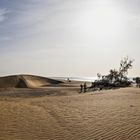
x: 100, y: 115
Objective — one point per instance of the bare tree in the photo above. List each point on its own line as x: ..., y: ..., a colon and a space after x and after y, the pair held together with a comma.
x: 125, y: 65
x: 117, y: 77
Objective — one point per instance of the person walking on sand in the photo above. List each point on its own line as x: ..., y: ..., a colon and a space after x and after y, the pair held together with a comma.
x: 85, y: 87
x: 92, y: 85
x: 81, y: 88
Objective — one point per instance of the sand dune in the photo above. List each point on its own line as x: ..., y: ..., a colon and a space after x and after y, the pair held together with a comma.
x: 26, y: 81
x: 100, y: 115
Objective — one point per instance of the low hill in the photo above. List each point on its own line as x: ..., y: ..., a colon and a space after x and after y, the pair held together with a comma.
x: 26, y: 81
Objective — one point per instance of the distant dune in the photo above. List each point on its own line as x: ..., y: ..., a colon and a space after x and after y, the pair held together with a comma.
x: 26, y: 81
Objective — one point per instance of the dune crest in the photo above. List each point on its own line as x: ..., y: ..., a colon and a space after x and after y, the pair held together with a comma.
x: 26, y: 81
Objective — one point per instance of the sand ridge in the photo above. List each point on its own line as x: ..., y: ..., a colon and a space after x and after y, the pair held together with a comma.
x: 26, y: 81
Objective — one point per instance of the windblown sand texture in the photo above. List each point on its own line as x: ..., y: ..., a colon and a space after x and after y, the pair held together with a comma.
x: 36, y: 114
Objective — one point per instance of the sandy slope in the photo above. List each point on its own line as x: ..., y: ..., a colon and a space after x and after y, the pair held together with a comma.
x: 104, y: 115
x: 26, y: 81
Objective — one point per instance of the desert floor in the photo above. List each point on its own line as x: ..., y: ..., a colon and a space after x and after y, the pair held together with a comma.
x: 61, y: 113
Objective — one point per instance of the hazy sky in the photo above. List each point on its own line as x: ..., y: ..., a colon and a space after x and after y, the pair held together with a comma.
x: 68, y: 37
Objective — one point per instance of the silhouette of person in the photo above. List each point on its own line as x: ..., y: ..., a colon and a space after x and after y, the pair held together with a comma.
x: 85, y: 87
x: 68, y: 79
x: 81, y: 88
x: 92, y: 85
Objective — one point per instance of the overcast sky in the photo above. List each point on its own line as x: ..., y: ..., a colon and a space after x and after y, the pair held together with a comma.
x: 68, y: 37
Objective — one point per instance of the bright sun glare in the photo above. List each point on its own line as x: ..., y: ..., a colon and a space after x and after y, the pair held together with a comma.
x: 103, y: 18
